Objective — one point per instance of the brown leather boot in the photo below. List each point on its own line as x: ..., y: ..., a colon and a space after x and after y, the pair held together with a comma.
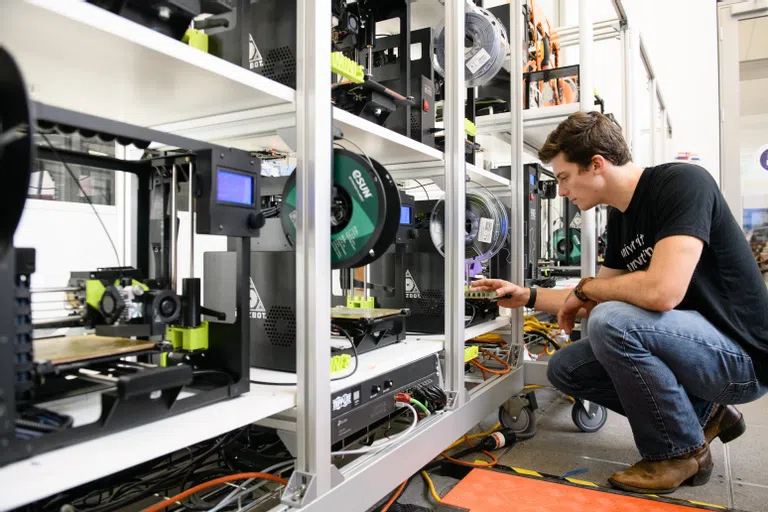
x: 665, y: 476
x: 726, y: 422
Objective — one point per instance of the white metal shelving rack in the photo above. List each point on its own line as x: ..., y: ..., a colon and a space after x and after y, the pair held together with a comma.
x: 77, y: 56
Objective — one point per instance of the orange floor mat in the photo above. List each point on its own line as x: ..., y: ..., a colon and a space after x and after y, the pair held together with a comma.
x: 490, y: 491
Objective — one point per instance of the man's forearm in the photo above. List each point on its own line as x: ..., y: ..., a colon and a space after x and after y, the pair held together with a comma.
x: 634, y: 288
x: 550, y: 300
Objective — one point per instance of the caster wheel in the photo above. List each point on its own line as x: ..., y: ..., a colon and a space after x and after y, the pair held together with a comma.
x: 582, y: 419
x: 522, y: 421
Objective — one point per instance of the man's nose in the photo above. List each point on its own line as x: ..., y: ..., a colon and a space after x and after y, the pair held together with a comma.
x: 561, y: 191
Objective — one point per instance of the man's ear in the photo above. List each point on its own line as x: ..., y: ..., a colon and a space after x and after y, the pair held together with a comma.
x: 598, y: 164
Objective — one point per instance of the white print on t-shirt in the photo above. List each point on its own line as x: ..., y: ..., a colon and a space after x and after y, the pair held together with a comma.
x: 637, y: 246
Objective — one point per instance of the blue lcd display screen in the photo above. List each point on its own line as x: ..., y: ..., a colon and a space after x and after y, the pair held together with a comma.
x: 533, y: 179
x: 233, y: 187
x: 405, y: 215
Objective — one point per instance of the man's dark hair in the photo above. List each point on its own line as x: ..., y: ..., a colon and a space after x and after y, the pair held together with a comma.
x: 584, y: 135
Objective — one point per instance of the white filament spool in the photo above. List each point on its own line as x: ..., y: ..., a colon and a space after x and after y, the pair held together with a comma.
x: 486, y: 48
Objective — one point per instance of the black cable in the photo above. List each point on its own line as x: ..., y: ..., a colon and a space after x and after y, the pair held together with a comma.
x: 195, y: 502
x: 168, y: 481
x: 85, y: 194
x: 124, y: 482
x: 432, y: 465
x: 474, y: 314
x: 408, y: 507
x: 210, y: 452
x: 219, y: 373
x: 407, y: 483
x: 420, y: 185
x: 265, y: 383
x: 354, y: 369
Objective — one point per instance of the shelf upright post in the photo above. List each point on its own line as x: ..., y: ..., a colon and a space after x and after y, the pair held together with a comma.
x: 628, y: 89
x: 586, y: 95
x: 174, y: 273
x: 663, y: 143
x: 455, y: 191
x: 312, y: 477
x: 517, y: 176
x: 654, y: 121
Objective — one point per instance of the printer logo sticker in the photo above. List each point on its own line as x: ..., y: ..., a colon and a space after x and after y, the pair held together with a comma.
x: 341, y: 402
x: 411, y: 289
x: 255, y: 60
x: 257, y: 306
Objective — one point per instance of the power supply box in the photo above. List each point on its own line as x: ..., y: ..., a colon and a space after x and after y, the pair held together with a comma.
x: 357, y: 407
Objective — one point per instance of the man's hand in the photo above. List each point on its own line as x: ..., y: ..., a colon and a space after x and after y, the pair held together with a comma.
x: 566, y: 317
x: 518, y: 295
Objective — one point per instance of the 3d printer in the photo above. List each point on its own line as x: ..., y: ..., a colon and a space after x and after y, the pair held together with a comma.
x: 417, y: 267
x: 135, y: 311
x: 365, y: 215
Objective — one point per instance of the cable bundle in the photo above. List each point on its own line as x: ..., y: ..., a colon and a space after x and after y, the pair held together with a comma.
x: 200, y: 467
x: 506, y: 367
x: 429, y: 398
x: 488, y: 50
x: 535, y: 330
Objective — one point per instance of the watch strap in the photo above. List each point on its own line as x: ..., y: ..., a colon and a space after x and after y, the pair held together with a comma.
x: 579, y: 290
x: 532, y: 299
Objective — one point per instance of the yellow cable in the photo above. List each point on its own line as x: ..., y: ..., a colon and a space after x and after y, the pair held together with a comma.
x: 431, y: 485
x: 536, y: 386
x: 490, y: 337
x: 493, y: 429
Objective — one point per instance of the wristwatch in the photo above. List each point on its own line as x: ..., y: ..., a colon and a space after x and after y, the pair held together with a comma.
x: 579, y: 290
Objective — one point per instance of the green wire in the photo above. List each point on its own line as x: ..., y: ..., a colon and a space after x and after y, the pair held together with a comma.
x: 420, y: 406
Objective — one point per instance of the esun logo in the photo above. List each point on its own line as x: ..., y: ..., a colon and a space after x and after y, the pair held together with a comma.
x: 358, y: 176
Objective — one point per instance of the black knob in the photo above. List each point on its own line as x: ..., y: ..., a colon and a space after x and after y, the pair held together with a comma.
x: 388, y: 384
x: 375, y: 389
x: 256, y: 220
x: 413, y: 233
x: 167, y: 307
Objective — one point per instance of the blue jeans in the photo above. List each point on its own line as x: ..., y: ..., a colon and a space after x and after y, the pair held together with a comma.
x: 663, y: 371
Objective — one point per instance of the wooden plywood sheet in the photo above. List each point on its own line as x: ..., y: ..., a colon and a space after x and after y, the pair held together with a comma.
x: 72, y: 349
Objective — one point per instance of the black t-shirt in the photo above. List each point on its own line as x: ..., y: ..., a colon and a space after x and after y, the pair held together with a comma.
x: 727, y: 287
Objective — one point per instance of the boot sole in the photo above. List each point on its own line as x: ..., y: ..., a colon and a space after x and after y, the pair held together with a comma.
x: 700, y: 478
x: 734, y: 431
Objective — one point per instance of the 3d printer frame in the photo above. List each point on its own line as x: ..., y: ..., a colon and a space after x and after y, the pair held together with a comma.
x: 150, y: 393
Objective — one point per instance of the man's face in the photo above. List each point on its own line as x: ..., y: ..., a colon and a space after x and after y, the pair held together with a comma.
x: 581, y: 188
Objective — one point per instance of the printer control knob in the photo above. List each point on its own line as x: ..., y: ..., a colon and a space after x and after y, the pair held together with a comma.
x: 256, y: 221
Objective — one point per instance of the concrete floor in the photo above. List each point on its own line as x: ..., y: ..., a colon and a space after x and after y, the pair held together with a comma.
x: 740, y: 479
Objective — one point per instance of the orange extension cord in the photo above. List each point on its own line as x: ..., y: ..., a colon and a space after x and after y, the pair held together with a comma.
x: 205, y: 485
x: 467, y: 440
x: 484, y: 370
x: 394, y: 497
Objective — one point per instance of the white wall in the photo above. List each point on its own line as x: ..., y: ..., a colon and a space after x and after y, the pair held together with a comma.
x: 681, y: 39
x: 67, y: 237
x: 753, y: 136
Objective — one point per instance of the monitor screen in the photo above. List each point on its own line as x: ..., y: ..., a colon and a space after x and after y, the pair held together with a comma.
x: 405, y: 215
x: 233, y: 187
